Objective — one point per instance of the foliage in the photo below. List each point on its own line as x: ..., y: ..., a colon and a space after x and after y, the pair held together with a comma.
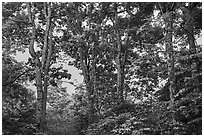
x: 66, y: 114
x: 91, y: 35
x: 18, y: 102
x: 147, y: 119
x: 19, y: 114
x: 58, y: 121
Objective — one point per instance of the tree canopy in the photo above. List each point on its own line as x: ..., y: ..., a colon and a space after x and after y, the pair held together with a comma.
x: 141, y: 64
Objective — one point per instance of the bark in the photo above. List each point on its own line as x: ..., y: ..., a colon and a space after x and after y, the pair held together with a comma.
x: 46, y: 58
x: 170, y: 60
x: 37, y: 66
x: 89, y: 85
x: 41, y: 66
x: 47, y: 12
x: 89, y: 75
x: 189, y: 26
x: 83, y: 67
x: 120, y: 73
x: 93, y: 71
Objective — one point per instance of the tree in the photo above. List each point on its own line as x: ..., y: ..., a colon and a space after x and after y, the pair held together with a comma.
x: 170, y: 53
x: 41, y: 67
x: 83, y: 44
x: 30, y: 19
x: 140, y: 63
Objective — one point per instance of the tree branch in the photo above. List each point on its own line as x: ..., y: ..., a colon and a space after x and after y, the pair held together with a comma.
x: 47, y: 11
x: 16, y: 78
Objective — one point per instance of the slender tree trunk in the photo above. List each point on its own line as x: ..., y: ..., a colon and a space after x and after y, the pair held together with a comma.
x: 41, y: 66
x: 190, y: 29
x: 170, y: 60
x: 92, y: 84
x: 89, y: 76
x: 93, y: 71
x: 89, y: 85
x: 39, y: 86
x: 47, y: 12
x: 38, y: 74
x: 120, y: 74
x: 46, y: 58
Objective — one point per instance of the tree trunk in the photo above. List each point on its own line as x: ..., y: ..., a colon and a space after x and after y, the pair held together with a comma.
x: 93, y: 71
x: 120, y: 74
x: 46, y: 58
x: 190, y: 29
x: 37, y: 66
x: 47, y: 12
x: 170, y: 60
x: 42, y: 66
x: 89, y: 85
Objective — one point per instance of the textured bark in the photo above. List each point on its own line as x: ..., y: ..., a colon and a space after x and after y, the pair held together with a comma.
x: 93, y: 72
x: 89, y: 75
x: 39, y: 86
x: 89, y: 85
x: 37, y: 66
x: 47, y: 30
x: 170, y: 60
x: 46, y: 58
x: 83, y: 67
x: 41, y: 66
x: 120, y: 73
x: 190, y: 28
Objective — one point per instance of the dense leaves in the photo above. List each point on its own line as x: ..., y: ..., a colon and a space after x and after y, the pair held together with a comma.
x: 141, y: 64
x: 18, y: 102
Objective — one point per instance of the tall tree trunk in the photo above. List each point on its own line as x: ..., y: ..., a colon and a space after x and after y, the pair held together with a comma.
x: 93, y: 70
x: 120, y: 74
x: 47, y: 12
x: 170, y: 59
x: 190, y: 29
x: 87, y: 79
x: 46, y: 58
x: 41, y: 66
x: 38, y: 73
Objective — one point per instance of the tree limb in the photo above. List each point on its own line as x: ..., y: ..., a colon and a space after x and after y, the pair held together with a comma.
x: 16, y: 78
x: 47, y: 11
